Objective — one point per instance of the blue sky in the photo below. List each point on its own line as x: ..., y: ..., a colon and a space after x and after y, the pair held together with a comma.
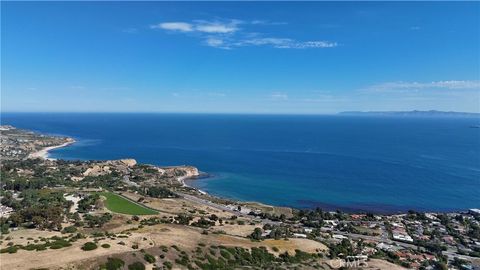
x: 251, y: 57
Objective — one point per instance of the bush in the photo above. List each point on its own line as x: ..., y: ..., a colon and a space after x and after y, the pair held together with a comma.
x: 56, y: 246
x: 12, y: 249
x: 89, y: 246
x: 114, y: 264
x: 149, y: 258
x: 225, y: 254
x: 105, y: 245
x: 136, y: 266
x: 41, y: 247
x: 69, y: 229
x: 60, y: 243
x: 167, y: 265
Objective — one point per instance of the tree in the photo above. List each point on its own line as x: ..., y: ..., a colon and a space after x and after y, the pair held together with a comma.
x: 114, y: 264
x: 256, y: 234
x: 149, y: 258
x: 136, y: 266
x: 89, y: 246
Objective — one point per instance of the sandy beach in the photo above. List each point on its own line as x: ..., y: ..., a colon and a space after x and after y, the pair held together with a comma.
x: 44, y: 152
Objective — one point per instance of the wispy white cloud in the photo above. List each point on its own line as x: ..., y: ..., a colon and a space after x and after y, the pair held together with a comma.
x: 216, y: 42
x: 415, y: 28
x: 217, y: 94
x: 174, y: 26
x: 265, y: 22
x: 214, y: 27
x: 196, y: 93
x: 286, y: 43
x: 217, y: 27
x: 279, y: 96
x: 325, y: 99
x: 417, y: 86
x: 227, y: 34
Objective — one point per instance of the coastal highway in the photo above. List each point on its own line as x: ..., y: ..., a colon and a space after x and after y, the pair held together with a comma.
x: 206, y: 202
x: 223, y: 208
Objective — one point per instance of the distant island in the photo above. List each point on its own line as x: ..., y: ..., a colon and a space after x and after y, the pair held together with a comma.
x: 431, y: 113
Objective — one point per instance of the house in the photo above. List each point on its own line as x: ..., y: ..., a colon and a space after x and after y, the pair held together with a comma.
x: 339, y: 237
x: 386, y: 247
x: 308, y: 230
x: 474, y: 211
x: 402, y: 237
x: 300, y: 235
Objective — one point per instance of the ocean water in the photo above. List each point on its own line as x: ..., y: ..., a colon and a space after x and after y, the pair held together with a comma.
x: 378, y: 164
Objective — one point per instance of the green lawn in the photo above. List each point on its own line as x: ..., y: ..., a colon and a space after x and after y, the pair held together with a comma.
x: 118, y: 204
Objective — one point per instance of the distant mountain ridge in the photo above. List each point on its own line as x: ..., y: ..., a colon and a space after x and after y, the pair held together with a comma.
x: 431, y: 113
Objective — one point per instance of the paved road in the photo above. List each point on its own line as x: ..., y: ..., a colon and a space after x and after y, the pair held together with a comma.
x: 208, y: 203
x: 377, y: 238
x: 224, y: 208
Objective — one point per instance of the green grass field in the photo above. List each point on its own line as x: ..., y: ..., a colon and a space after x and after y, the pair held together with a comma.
x: 118, y: 204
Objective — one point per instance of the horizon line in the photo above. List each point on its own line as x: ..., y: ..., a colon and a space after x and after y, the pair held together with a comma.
x: 231, y: 113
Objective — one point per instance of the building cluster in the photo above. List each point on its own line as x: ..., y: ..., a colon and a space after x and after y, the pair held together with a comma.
x: 399, y: 233
x: 19, y: 144
x: 414, y: 240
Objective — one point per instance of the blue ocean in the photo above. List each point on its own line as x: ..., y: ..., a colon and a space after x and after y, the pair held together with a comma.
x: 378, y: 164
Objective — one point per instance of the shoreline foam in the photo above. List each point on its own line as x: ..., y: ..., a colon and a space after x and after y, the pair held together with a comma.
x: 201, y: 175
x: 44, y: 153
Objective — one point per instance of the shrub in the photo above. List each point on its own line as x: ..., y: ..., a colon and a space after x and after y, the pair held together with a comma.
x: 136, y: 266
x: 59, y: 243
x: 105, y: 245
x: 89, y: 246
x: 114, y: 264
x: 30, y: 247
x: 149, y: 258
x: 41, y: 247
x: 225, y: 254
x: 167, y: 265
x: 56, y: 246
x: 12, y: 249
x: 69, y: 229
